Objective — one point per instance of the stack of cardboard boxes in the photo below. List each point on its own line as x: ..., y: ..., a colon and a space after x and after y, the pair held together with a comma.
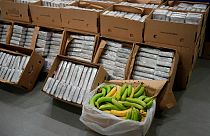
x: 118, y: 35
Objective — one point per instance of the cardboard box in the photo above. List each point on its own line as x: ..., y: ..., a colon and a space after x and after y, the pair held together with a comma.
x: 166, y: 98
x: 205, y: 16
x: 83, y: 20
x: 15, y: 11
x: 187, y: 59
x: 122, y: 28
x: 100, y: 77
x: 206, y: 50
x: 30, y: 74
x: 102, y: 44
x: 27, y: 25
x: 45, y: 16
x: 57, y: 30
x: 177, y: 34
x: 66, y: 40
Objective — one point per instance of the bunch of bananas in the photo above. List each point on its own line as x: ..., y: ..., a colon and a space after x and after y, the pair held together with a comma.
x: 123, y: 101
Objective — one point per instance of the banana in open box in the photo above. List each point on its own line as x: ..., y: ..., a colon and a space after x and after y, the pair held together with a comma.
x: 121, y: 107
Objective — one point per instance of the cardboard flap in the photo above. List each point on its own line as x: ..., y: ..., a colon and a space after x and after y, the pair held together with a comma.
x: 99, y: 51
x: 128, y: 9
x: 152, y: 87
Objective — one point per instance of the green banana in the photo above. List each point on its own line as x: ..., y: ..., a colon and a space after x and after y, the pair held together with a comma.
x: 138, y: 115
x: 103, y: 91
x: 136, y: 100
x: 95, y: 98
x: 132, y: 114
x: 137, y: 88
x: 129, y: 104
x: 129, y: 90
x: 149, y: 104
x: 148, y: 99
x: 108, y: 106
x: 97, y: 105
x: 119, y: 105
x: 128, y: 115
x: 124, y: 95
x: 108, y: 88
x: 121, y: 92
x: 142, y: 97
x: 123, y: 89
x: 139, y: 93
x: 104, y: 99
x: 135, y: 116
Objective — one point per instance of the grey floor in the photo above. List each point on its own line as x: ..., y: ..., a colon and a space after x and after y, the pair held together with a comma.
x: 36, y: 114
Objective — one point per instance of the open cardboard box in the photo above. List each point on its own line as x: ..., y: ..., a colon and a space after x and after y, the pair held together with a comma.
x: 67, y: 40
x: 36, y: 33
x: 30, y: 74
x: 45, y: 16
x: 100, y: 77
x: 9, y: 30
x: 102, y: 45
x: 27, y: 25
x: 177, y: 34
x: 187, y: 60
x: 16, y: 11
x: 166, y: 98
x: 205, y: 17
x: 83, y: 20
x: 122, y: 28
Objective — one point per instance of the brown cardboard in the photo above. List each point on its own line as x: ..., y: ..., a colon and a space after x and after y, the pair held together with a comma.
x: 32, y: 70
x: 45, y: 16
x: 187, y: 60
x: 206, y: 50
x: 152, y: 87
x: 81, y: 19
x: 33, y: 40
x: 121, y: 28
x: 101, y: 75
x: 101, y: 46
x: 15, y: 11
x: 66, y: 40
x: 178, y: 34
x: 166, y: 98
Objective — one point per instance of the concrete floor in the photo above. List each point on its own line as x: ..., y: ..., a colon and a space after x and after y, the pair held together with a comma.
x: 36, y: 114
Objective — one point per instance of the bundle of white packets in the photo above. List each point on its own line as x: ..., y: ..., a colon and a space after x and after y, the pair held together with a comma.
x: 126, y: 15
x: 48, y: 45
x: 177, y: 17
x: 22, y: 36
x: 3, y: 33
x: 114, y: 59
x: 12, y: 66
x: 57, y: 3
x: 138, y: 5
x: 152, y: 64
x: 81, y: 47
x: 71, y: 82
x: 187, y: 7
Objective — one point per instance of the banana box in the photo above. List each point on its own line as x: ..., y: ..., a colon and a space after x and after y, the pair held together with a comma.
x: 20, y: 67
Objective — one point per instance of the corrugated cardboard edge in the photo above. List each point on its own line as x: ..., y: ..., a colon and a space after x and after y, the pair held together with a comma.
x: 152, y: 87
